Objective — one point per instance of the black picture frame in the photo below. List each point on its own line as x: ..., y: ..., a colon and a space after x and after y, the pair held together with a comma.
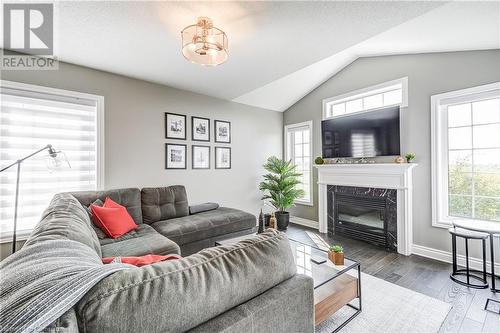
x: 167, y: 136
x: 217, y: 154
x: 215, y: 130
x: 167, y: 157
x: 193, y: 129
x: 193, y: 166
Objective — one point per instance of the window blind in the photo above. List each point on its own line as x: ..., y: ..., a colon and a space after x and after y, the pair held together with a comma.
x: 28, y: 122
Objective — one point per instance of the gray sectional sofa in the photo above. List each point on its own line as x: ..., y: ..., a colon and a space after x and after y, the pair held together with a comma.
x: 165, y: 224
x: 251, y: 286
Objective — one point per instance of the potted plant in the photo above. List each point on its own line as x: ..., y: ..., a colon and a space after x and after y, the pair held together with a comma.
x: 336, y: 254
x: 280, y: 188
x: 409, y: 157
x: 319, y: 160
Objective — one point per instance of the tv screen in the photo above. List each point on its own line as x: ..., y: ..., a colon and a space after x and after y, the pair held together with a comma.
x: 366, y: 134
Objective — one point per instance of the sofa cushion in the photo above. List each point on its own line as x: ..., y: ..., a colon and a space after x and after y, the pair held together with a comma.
x: 138, y: 242
x: 204, y: 225
x: 162, y: 203
x: 115, y: 222
x: 65, y: 218
x: 128, y: 197
x: 178, y: 295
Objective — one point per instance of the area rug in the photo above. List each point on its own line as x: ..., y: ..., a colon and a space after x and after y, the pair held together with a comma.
x: 390, y: 308
x: 387, y: 307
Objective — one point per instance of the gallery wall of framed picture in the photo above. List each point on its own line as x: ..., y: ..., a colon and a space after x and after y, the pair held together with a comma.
x: 176, y: 154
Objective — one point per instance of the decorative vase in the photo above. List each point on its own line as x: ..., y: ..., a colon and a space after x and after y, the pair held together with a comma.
x: 339, y: 258
x: 282, y: 219
x: 261, y: 223
x: 267, y: 219
x: 399, y: 159
x: 408, y: 160
x: 272, y: 221
x: 331, y: 256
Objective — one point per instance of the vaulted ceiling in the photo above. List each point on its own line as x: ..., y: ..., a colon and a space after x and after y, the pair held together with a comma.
x: 279, y: 51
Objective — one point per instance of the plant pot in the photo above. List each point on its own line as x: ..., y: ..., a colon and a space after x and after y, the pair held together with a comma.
x: 339, y: 259
x: 331, y: 256
x: 282, y: 219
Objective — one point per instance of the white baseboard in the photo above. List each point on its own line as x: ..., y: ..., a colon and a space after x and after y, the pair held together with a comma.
x: 304, y: 222
x: 444, y: 256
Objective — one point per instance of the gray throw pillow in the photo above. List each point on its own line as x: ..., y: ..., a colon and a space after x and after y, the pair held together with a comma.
x: 99, y: 232
x: 204, y: 207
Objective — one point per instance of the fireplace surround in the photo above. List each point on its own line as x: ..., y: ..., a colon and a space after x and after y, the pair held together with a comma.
x: 377, y: 177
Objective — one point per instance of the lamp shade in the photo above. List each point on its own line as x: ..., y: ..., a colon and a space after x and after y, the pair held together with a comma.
x: 204, y: 44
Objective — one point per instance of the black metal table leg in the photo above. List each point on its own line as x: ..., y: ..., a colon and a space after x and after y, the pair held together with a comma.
x: 358, y: 309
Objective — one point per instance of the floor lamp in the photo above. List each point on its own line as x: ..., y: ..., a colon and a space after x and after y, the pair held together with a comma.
x: 55, y: 160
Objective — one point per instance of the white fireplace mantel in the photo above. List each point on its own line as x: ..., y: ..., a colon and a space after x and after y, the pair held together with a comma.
x: 377, y: 175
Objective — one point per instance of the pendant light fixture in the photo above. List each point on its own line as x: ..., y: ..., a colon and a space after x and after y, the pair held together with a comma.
x: 204, y: 44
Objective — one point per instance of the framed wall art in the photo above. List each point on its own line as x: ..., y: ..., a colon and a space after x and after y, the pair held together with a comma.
x: 200, y: 129
x: 222, y: 158
x: 175, y: 126
x: 175, y: 156
x: 222, y: 131
x: 200, y: 158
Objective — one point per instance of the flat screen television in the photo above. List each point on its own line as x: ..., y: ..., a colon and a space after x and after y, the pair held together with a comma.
x: 365, y: 134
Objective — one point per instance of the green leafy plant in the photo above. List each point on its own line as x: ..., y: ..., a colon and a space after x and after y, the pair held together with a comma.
x: 336, y: 248
x: 319, y: 160
x: 280, y: 184
x: 409, y: 157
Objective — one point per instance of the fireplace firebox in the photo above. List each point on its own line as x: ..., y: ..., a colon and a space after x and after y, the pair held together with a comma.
x: 368, y: 214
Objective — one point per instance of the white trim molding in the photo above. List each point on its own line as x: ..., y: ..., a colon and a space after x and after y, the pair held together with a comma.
x: 439, y: 145
x: 445, y: 256
x: 287, y: 128
x: 376, y: 175
x: 304, y: 222
x: 401, y: 83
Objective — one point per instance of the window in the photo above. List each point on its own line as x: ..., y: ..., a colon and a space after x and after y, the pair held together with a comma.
x: 466, y: 155
x: 298, y: 143
x: 382, y: 95
x: 30, y: 118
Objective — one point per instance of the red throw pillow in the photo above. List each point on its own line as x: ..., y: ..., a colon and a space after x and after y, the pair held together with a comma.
x: 140, y: 261
x: 108, y: 203
x: 115, y: 222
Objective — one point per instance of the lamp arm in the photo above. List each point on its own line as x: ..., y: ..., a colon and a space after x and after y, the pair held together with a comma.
x: 19, y: 161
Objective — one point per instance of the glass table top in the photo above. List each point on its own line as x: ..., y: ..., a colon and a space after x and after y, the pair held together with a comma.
x: 321, y: 273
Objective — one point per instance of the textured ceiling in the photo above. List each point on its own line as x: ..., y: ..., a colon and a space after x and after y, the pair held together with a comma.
x: 284, y: 48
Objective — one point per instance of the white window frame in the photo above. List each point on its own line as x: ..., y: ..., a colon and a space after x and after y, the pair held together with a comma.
x: 439, y: 149
x: 401, y: 83
x: 62, y: 94
x: 309, y: 124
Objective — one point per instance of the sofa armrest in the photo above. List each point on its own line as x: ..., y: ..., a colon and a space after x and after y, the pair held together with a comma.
x: 178, y: 295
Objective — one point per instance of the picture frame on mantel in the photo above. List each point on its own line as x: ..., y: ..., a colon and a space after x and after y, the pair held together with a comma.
x: 200, y: 129
x: 175, y: 156
x: 175, y: 126
x: 222, y: 131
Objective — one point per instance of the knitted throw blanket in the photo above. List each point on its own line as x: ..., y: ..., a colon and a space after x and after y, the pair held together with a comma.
x: 42, y: 281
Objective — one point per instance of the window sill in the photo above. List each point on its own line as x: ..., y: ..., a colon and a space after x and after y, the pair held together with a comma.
x: 21, y: 235
x: 448, y: 223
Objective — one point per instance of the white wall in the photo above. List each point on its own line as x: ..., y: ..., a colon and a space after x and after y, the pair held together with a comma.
x: 428, y: 74
x: 135, y: 139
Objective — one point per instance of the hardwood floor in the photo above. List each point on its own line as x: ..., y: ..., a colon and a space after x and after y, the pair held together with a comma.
x: 423, y: 275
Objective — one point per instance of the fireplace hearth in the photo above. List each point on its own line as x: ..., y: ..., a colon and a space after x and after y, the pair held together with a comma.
x: 368, y: 214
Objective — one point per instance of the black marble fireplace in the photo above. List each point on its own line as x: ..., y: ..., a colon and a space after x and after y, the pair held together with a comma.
x: 368, y: 214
